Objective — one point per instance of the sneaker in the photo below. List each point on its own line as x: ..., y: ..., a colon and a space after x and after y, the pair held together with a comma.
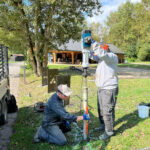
x: 105, y: 136
x: 101, y: 128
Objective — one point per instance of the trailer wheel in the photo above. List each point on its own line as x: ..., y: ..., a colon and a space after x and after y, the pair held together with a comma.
x: 4, y: 115
x: 1, y: 116
x: 5, y: 112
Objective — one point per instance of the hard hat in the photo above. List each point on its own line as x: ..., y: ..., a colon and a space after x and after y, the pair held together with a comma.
x: 64, y: 89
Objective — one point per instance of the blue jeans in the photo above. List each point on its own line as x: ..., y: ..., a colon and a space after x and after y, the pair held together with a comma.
x: 52, y: 134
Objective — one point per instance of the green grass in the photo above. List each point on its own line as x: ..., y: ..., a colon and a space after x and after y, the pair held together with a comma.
x: 143, y: 65
x: 142, y: 62
x: 131, y: 132
x: 10, y: 62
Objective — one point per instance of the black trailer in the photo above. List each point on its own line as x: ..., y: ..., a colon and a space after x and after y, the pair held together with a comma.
x: 7, y: 101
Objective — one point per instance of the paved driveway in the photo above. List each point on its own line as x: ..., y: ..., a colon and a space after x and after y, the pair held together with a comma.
x: 127, y: 72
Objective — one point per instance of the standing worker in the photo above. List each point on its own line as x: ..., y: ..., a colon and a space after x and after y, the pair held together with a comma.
x: 106, y: 80
x: 56, y: 120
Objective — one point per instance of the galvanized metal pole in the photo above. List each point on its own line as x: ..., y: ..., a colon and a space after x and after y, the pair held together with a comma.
x: 24, y: 75
x: 85, y: 45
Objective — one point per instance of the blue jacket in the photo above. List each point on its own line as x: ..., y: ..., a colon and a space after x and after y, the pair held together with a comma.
x: 54, y: 112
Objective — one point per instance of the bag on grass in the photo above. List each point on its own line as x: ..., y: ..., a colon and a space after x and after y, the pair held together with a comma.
x: 12, y: 105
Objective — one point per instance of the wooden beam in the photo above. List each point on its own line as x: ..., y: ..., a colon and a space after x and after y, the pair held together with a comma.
x: 56, y: 51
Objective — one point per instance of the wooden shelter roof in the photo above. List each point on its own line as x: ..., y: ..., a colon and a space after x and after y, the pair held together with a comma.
x: 76, y: 47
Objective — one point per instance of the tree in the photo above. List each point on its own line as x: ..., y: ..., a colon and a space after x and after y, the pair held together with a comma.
x: 44, y: 24
x: 97, y: 30
x: 119, y: 24
x: 13, y: 41
x: 129, y: 29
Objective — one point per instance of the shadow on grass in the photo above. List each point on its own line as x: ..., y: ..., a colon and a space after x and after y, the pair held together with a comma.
x: 27, y: 123
x: 73, y: 72
x: 130, y: 120
x: 27, y: 74
x: 69, y: 72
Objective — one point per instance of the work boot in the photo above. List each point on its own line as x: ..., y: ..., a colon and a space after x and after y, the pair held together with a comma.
x: 105, y: 136
x: 101, y: 128
x: 36, y: 136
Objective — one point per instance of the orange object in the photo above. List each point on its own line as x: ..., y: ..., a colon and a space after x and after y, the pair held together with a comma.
x: 105, y: 47
x: 86, y: 109
x: 86, y: 127
x: 86, y: 124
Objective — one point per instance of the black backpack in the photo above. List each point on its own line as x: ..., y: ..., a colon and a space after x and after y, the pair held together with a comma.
x: 12, y: 105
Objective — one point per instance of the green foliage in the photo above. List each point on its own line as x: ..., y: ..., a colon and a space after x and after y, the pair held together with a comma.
x: 40, y: 25
x: 129, y: 29
x: 130, y: 59
x: 144, y: 52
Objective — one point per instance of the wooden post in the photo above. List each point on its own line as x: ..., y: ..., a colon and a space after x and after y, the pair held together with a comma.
x: 54, y: 57
x: 63, y: 79
x: 52, y: 80
x: 72, y: 54
x: 44, y: 76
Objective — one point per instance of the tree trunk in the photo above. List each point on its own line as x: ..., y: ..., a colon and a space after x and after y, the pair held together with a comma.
x: 28, y: 36
x: 37, y: 39
x: 45, y: 55
x: 39, y: 66
x: 31, y: 57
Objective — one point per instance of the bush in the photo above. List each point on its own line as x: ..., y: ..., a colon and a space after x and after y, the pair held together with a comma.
x: 144, y: 52
x: 130, y: 60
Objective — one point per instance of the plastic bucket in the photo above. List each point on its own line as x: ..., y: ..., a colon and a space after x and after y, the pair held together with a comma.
x: 143, y: 111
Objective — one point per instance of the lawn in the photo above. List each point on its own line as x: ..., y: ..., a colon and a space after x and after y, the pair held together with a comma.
x: 131, y: 132
x: 142, y: 65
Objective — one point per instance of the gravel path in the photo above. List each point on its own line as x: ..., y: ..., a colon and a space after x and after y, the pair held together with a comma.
x: 126, y: 72
x: 129, y: 73
x: 7, y: 129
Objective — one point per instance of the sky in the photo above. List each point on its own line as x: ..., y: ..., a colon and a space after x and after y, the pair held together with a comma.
x: 107, y: 7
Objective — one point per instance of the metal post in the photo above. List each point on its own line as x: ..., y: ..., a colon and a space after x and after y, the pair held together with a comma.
x: 85, y: 104
x: 85, y: 44
x: 24, y: 75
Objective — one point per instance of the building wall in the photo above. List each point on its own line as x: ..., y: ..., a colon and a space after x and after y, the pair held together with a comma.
x: 121, y: 58
x: 66, y: 57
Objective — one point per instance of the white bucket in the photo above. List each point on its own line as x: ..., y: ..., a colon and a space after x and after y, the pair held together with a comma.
x: 143, y: 111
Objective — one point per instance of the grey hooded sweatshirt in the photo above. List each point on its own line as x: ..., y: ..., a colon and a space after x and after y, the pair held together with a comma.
x: 106, y: 72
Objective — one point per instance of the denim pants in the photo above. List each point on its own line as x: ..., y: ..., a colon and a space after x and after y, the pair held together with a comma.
x: 52, y: 134
x: 106, y: 108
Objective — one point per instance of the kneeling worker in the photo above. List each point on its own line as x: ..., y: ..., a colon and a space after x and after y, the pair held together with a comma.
x: 56, y: 119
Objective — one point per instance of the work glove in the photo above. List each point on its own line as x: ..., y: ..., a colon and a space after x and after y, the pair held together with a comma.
x: 67, y: 124
x: 86, y: 117
x: 92, y: 41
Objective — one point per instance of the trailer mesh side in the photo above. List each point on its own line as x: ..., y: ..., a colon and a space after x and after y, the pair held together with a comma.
x: 4, y: 72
